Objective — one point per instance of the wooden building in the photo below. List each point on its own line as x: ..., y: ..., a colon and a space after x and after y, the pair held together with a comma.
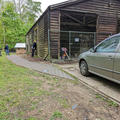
x: 97, y: 16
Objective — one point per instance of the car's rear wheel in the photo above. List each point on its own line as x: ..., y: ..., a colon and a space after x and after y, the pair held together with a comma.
x: 84, y: 68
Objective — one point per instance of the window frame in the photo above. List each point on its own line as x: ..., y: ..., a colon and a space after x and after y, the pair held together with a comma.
x: 105, y: 41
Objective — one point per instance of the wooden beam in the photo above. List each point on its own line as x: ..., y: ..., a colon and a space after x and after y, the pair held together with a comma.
x: 77, y: 24
x: 80, y: 12
x: 91, y: 21
x: 73, y: 18
x: 69, y: 23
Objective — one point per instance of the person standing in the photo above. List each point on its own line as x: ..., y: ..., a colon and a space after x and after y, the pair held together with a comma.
x: 7, y: 49
x: 34, y: 47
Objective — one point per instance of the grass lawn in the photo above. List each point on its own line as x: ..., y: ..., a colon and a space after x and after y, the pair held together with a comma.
x: 28, y: 95
x: 18, y: 87
x: 21, y: 90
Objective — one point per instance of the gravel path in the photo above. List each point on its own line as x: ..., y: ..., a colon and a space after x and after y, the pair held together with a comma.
x: 41, y: 67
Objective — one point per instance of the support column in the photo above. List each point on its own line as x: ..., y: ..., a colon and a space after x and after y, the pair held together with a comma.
x: 55, y: 34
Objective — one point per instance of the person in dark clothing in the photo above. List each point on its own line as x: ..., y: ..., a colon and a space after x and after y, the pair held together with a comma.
x: 7, y: 49
x: 34, y: 47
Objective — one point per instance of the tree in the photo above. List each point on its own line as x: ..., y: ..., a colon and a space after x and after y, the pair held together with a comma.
x: 15, y: 28
x: 13, y: 24
x: 1, y: 34
x: 9, y: 19
x: 1, y: 28
x: 28, y: 10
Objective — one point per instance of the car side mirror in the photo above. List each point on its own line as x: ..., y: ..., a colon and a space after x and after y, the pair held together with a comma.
x: 92, y: 50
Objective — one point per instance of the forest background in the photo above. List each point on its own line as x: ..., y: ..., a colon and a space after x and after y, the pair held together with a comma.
x: 16, y: 18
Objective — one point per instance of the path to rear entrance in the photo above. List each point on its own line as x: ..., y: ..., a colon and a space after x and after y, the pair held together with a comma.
x: 41, y: 67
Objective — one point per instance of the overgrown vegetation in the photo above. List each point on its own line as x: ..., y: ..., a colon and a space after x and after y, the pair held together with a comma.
x: 16, y: 18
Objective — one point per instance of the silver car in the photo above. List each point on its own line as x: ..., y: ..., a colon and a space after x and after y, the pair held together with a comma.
x: 103, y: 60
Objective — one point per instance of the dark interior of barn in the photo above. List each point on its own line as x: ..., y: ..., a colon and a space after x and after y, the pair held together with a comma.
x: 118, y: 30
x: 77, y: 31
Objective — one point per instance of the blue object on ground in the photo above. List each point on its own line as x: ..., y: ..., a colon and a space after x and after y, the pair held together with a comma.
x: 74, y: 106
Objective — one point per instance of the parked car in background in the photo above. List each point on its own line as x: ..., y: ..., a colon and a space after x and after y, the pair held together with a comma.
x: 103, y: 60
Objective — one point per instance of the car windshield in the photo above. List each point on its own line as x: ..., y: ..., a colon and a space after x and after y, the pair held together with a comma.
x: 108, y: 45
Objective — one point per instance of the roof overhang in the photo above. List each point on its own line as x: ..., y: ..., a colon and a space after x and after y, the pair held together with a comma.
x: 66, y: 3
x: 57, y: 6
x: 38, y: 20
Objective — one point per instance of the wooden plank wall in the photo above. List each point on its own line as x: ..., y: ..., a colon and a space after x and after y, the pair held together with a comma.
x: 55, y: 33
x: 38, y: 39
x: 46, y: 34
x: 107, y: 15
x: 39, y: 33
x: 29, y: 41
x: 40, y: 45
x: 106, y: 27
x: 42, y: 36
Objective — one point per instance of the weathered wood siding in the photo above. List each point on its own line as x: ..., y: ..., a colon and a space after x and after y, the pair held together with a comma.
x: 46, y: 26
x: 27, y: 44
x: 40, y: 45
x: 107, y: 22
x: 29, y: 41
x: 107, y: 14
x: 20, y: 51
x: 55, y: 33
x: 42, y: 36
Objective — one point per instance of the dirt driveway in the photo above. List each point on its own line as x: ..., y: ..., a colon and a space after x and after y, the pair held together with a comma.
x: 104, y: 86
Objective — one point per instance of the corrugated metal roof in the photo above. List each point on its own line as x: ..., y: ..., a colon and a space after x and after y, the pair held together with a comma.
x: 20, y: 45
